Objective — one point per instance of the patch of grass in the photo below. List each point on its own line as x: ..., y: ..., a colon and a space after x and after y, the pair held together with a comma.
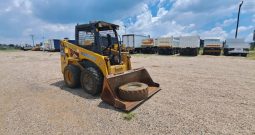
x: 8, y: 49
x: 251, y: 55
x: 128, y: 116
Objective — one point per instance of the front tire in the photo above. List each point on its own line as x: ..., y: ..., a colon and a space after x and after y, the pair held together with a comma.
x: 72, y: 76
x: 92, y: 80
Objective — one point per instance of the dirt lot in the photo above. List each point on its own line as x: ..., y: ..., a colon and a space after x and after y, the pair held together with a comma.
x: 200, y: 95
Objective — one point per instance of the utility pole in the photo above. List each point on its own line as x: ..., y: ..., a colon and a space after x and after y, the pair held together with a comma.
x: 32, y: 36
x: 254, y: 35
x: 43, y: 43
x: 237, y: 24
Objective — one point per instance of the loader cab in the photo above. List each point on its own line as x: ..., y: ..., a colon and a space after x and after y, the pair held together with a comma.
x: 98, y: 37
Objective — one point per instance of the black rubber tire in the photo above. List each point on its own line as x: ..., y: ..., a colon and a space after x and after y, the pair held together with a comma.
x: 225, y: 52
x: 72, y: 81
x: 171, y: 52
x: 244, y: 55
x: 194, y: 52
x: 91, y: 80
x: 133, y: 91
x: 159, y: 52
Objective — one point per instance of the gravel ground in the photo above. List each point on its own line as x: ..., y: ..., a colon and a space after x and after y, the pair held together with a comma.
x: 200, y: 95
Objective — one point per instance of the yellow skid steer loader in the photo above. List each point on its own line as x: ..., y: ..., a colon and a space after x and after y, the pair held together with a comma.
x: 95, y: 61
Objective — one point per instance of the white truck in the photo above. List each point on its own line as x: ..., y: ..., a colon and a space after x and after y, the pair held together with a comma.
x: 148, y: 46
x: 236, y: 47
x: 189, y: 45
x: 132, y: 42
x: 212, y: 46
x: 167, y: 45
x: 53, y: 45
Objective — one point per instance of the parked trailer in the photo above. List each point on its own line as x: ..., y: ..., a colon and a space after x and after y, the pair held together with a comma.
x: 236, y: 47
x: 167, y: 45
x: 54, y: 45
x: 212, y: 46
x: 189, y: 45
x: 148, y: 46
x: 133, y: 42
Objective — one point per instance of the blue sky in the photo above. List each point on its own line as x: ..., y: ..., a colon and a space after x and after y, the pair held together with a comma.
x: 56, y: 18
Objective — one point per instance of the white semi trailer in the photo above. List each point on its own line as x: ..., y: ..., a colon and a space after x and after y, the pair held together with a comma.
x: 236, y: 47
x: 133, y: 42
x: 189, y: 45
x: 212, y: 46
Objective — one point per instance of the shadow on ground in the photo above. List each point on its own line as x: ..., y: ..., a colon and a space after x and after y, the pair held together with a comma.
x: 76, y: 91
x: 81, y: 93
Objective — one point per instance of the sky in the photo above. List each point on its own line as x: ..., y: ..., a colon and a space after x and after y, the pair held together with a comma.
x: 56, y: 19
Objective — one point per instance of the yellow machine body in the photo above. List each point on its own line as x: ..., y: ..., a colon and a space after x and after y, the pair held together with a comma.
x: 114, y: 75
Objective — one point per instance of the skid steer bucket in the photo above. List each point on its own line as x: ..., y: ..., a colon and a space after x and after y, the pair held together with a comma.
x: 112, y: 83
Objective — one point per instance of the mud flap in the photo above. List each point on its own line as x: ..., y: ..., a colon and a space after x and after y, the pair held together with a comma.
x: 113, y: 82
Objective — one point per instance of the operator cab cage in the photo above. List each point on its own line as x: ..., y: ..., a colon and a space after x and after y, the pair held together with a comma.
x: 89, y: 36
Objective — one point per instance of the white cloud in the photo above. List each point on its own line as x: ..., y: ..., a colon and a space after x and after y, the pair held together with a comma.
x: 243, y: 29
x: 20, y: 20
x: 185, y: 17
x: 19, y: 24
x: 161, y: 12
x: 228, y: 22
x: 122, y: 28
x: 200, y: 12
x: 243, y: 32
x: 249, y: 38
x: 191, y: 17
x: 25, y: 5
x: 148, y: 25
x: 248, y: 6
x: 215, y: 32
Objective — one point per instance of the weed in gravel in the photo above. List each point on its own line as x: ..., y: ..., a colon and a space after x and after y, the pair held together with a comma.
x: 128, y: 116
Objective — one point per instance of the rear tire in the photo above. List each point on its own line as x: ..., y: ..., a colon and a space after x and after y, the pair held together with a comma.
x: 92, y: 80
x: 195, y: 52
x: 244, y: 54
x: 72, y: 76
x: 225, y: 52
